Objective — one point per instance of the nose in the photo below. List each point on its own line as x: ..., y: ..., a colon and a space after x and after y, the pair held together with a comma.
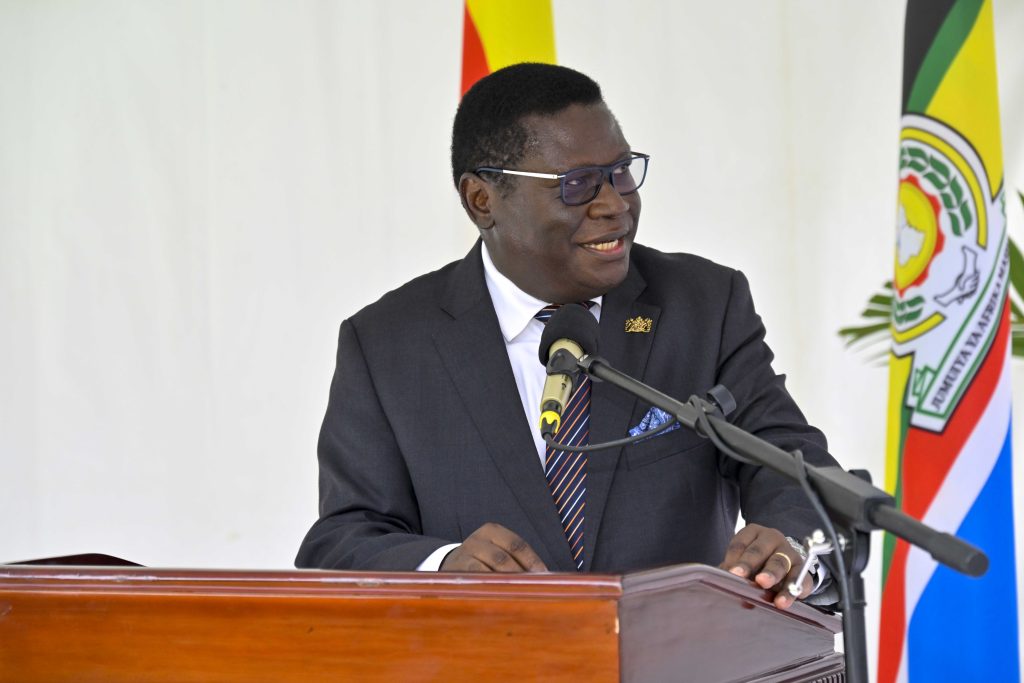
x: 608, y: 203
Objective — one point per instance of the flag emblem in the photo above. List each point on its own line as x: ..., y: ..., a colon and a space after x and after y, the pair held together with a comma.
x: 951, y: 267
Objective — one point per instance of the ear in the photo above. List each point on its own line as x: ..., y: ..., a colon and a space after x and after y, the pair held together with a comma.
x: 476, y: 195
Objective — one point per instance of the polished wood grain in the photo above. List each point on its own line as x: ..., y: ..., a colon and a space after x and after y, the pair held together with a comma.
x: 76, y: 624
x: 138, y: 624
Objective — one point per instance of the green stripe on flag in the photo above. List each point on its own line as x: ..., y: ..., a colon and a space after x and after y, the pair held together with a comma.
x: 943, y: 51
x: 923, y: 21
x: 889, y: 540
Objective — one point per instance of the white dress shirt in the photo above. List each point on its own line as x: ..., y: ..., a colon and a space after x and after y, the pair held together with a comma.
x: 521, y: 331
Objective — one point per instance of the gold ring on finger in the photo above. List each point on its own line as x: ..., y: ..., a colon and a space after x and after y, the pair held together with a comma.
x: 789, y: 562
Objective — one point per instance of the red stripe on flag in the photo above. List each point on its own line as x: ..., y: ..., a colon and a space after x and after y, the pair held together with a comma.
x: 927, y: 456
x: 927, y: 459
x: 891, y: 628
x: 474, y: 61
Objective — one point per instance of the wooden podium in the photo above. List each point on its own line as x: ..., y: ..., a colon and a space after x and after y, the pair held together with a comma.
x: 682, y: 623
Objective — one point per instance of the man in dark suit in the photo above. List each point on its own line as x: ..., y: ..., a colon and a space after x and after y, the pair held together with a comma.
x: 429, y: 457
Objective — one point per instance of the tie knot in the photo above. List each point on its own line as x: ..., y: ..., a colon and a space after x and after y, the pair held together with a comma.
x: 544, y: 314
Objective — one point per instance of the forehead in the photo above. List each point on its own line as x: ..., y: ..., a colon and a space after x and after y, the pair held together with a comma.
x: 579, y: 135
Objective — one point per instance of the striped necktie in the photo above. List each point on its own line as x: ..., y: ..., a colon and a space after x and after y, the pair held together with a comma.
x: 566, y: 472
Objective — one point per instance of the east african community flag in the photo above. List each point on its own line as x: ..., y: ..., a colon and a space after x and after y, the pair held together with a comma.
x: 949, y: 455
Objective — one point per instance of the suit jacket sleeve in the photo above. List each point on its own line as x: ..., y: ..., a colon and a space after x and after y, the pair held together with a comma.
x: 767, y: 410
x: 369, y: 517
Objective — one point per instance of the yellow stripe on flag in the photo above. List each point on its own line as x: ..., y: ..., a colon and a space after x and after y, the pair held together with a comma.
x: 968, y: 100
x: 899, y: 378
x: 514, y: 31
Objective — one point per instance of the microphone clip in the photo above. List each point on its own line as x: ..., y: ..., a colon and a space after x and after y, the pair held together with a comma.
x: 562, y: 362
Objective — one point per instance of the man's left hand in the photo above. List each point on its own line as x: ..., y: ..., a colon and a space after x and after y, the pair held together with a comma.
x: 766, y: 557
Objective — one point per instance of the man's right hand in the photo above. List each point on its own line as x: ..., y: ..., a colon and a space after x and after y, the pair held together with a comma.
x: 493, y: 548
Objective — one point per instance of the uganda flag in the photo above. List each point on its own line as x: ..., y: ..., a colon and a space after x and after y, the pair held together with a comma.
x: 499, y: 33
x: 949, y: 460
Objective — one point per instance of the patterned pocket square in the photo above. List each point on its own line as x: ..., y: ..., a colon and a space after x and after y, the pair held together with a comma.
x: 654, y: 418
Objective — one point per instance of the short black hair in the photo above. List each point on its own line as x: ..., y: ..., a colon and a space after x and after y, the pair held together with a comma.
x: 488, y: 129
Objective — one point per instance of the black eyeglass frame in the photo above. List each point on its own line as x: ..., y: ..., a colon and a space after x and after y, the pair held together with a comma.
x: 606, y: 175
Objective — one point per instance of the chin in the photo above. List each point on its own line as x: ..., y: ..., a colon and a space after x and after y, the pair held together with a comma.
x: 600, y: 287
x: 611, y: 280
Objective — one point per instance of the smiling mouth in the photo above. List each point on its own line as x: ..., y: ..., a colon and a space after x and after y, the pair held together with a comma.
x: 610, y: 245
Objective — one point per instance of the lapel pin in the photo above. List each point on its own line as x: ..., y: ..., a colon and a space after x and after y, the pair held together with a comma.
x: 638, y: 324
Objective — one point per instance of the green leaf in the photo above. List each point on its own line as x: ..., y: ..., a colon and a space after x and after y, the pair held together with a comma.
x: 1017, y: 345
x: 1016, y: 268
x: 859, y: 332
x: 958, y: 193
x: 954, y: 224
x: 879, y: 358
x: 871, y: 312
x: 1015, y: 312
x: 966, y: 214
x: 875, y: 330
x: 947, y: 200
x: 940, y: 167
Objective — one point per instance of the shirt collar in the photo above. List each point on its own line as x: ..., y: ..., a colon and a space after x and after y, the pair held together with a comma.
x: 515, y: 308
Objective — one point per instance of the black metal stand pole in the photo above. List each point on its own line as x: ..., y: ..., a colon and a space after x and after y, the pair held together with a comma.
x: 855, y: 646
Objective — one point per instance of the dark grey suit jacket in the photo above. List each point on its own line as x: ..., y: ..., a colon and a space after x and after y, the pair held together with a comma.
x: 425, y: 439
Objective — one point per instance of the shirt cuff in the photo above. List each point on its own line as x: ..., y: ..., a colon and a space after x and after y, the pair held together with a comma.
x: 434, y: 559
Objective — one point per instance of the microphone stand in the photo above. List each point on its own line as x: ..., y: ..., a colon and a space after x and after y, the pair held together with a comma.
x: 853, y: 502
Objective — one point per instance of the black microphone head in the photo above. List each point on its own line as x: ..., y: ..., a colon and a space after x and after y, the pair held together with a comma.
x: 571, y: 321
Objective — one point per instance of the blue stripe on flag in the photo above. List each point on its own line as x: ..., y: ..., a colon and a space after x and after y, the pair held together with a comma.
x: 965, y: 629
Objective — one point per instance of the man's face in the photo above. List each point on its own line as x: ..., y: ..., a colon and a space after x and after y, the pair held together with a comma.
x: 555, y: 252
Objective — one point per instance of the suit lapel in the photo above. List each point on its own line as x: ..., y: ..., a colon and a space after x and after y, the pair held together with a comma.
x: 474, y: 355
x: 612, y: 409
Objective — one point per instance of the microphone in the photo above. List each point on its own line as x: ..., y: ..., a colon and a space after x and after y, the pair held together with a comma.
x: 571, y: 333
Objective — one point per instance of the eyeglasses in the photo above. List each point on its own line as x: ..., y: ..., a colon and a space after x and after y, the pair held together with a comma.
x: 582, y: 185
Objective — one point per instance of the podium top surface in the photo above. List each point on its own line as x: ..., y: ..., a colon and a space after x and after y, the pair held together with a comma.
x: 328, y: 583
x: 121, y: 623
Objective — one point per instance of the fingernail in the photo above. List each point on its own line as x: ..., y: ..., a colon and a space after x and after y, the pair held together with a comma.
x: 738, y: 571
